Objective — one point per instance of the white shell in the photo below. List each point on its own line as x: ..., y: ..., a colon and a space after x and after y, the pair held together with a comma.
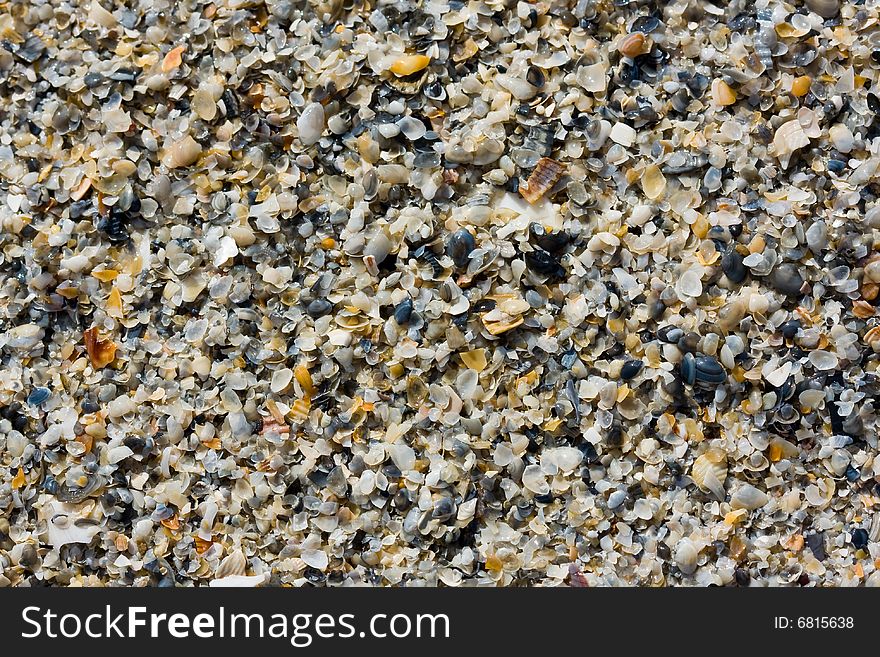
x: 710, y: 470
x: 239, y: 581
x: 61, y: 525
x: 789, y: 137
x: 233, y: 565
x: 535, y: 481
x: 311, y: 123
x: 748, y: 497
x: 686, y: 555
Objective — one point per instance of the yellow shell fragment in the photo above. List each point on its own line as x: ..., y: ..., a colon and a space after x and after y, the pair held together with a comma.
x: 114, y: 304
x: 722, y: 94
x: 801, y: 86
x: 493, y: 564
x: 304, y: 378
x: 475, y: 359
x: 409, y: 64
x: 18, y: 480
x: 105, y: 275
x: 552, y: 424
x: 653, y: 182
x: 299, y: 411
x: 501, y: 326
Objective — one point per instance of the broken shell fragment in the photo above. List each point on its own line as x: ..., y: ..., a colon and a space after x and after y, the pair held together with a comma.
x: 542, y: 179
x: 722, y: 94
x: 101, y: 351
x: 748, y: 497
x: 410, y: 64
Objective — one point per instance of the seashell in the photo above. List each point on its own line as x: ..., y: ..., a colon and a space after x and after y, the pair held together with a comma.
x: 704, y: 371
x: 497, y: 327
x: 825, y: 8
x: 353, y: 323
x: 534, y: 480
x: 593, y: 78
x: 550, y: 241
x: 800, y: 86
x: 299, y: 411
x: 24, y: 336
x: 114, y: 304
x: 475, y: 359
x: 280, y: 379
x: 511, y: 304
x: 732, y: 266
x: 239, y: 581
x: 632, y: 45
x: 182, y: 153
x: 304, y: 378
x: 756, y: 462
x: 789, y: 138
x: 682, y: 162
x: 233, y: 565
x: 686, y: 555
x: 410, y: 64
x: 821, y: 493
x: 403, y: 311
x: 653, y: 182
x: 623, y: 134
x: 519, y: 88
x: 173, y: 59
x: 416, y: 391
x: 748, y: 497
x: 203, y: 104
x: 310, y: 123
x: 67, y: 523
x: 544, y: 264
x: 841, y: 136
x: 788, y: 30
x: 872, y: 338
x: 722, y: 94
x: 459, y: 247
x: 101, y: 351
x: 710, y: 470
x: 862, y: 309
x: 780, y: 449
x: 546, y: 174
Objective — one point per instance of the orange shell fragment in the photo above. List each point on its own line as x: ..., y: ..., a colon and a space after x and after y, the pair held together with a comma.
x: 101, y: 351
x: 202, y: 545
x: 173, y: 59
x: 172, y: 523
